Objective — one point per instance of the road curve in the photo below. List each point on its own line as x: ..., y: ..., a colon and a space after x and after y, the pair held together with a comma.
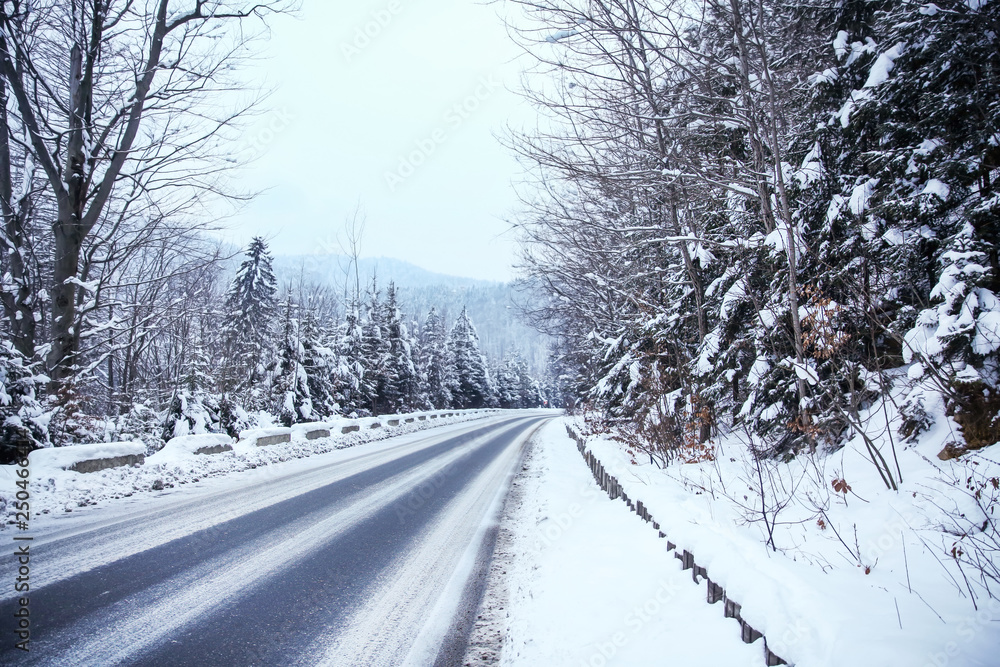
x: 374, y: 559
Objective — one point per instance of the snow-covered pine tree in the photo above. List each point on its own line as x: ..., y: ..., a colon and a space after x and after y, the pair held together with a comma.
x: 473, y: 386
x: 22, y: 428
x: 375, y: 354
x: 401, y: 382
x: 194, y: 407
x: 290, y: 401
x: 507, y: 385
x: 739, y: 144
x: 851, y: 293
x: 420, y: 400
x: 529, y: 392
x: 515, y: 388
x: 250, y: 311
x: 320, y: 364
x: 351, y: 369
x: 436, y: 362
x: 937, y: 179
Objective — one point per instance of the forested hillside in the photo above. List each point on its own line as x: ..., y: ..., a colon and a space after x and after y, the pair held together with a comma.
x: 769, y: 233
x: 496, y: 308
x: 761, y: 213
x: 122, y: 136
x: 229, y: 359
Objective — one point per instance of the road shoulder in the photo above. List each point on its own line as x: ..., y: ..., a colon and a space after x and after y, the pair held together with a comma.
x: 487, y: 634
x: 579, y: 580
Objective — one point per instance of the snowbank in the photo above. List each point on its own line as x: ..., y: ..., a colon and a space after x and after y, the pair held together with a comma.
x: 855, y: 575
x: 590, y: 585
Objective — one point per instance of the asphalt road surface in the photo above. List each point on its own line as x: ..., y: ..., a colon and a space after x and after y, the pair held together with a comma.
x: 374, y: 558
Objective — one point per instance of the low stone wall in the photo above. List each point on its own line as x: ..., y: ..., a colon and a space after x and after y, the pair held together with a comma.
x: 214, y: 449
x: 275, y: 439
x: 267, y: 436
x: 94, y: 457
x: 93, y: 465
x: 90, y: 457
x: 201, y: 443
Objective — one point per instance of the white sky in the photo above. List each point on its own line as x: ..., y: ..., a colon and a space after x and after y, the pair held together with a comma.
x: 337, y: 122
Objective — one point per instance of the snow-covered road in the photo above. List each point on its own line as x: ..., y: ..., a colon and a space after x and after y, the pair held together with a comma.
x: 369, y: 556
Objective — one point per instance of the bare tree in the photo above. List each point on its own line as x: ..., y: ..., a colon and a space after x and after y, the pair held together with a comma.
x: 112, y: 95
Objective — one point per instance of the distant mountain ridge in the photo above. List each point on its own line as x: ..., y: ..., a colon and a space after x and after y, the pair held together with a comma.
x: 490, y: 303
x: 331, y: 269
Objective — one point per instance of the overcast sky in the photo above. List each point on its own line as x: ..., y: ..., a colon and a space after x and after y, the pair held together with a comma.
x: 393, y: 104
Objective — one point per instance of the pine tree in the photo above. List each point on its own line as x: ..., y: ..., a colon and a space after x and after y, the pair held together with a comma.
x: 436, y: 361
x: 850, y: 268
x: 530, y: 394
x: 374, y: 355
x: 507, y: 385
x: 473, y: 386
x: 320, y: 365
x: 194, y: 407
x: 22, y: 428
x: 401, y: 384
x: 420, y: 399
x: 351, y: 363
x: 250, y: 310
x: 291, y: 400
x: 515, y: 388
x: 932, y: 191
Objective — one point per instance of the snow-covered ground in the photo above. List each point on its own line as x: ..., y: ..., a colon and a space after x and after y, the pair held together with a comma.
x: 862, y: 578
x: 580, y: 581
x: 857, y: 578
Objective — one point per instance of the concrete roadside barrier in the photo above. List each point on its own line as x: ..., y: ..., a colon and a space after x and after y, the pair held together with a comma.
x: 311, y: 430
x: 262, y: 437
x: 201, y: 443
x: 90, y: 458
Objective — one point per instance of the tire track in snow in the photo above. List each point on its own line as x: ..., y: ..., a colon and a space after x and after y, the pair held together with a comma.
x: 415, y: 618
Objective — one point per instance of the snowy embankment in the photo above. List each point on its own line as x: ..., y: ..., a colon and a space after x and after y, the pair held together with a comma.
x: 858, y: 574
x: 579, y: 581
x: 55, y: 487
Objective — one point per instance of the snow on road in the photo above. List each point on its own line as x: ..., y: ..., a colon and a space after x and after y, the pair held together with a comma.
x: 57, y: 493
x: 168, y: 582
x: 158, y: 613
x: 590, y: 584
x: 429, y: 577
x: 127, y: 527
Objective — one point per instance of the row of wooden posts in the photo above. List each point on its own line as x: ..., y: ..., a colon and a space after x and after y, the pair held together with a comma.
x: 610, y: 484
